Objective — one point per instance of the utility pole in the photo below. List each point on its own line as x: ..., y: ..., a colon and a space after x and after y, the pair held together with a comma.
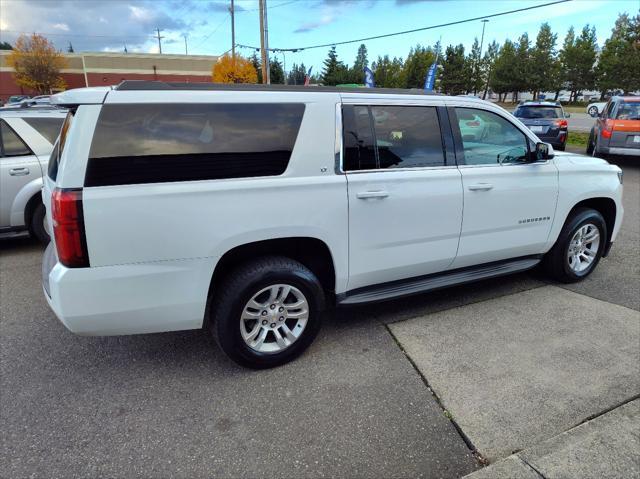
x: 479, y: 60
x: 159, y: 42
x: 266, y: 41
x: 263, y: 56
x: 186, y: 49
x: 233, y: 33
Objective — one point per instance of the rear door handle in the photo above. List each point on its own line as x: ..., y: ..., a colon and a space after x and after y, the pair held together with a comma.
x: 363, y: 195
x: 481, y: 187
x: 19, y: 171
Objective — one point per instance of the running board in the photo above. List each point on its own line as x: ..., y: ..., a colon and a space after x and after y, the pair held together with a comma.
x: 423, y: 284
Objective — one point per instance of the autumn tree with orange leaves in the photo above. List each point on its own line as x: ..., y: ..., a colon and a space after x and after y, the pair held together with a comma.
x: 37, y: 64
x: 230, y: 70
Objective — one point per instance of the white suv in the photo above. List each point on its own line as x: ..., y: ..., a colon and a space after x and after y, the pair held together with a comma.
x: 27, y: 136
x: 249, y: 210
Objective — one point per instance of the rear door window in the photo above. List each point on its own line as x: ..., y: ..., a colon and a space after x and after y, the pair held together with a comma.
x: 47, y: 127
x: 628, y: 111
x: 387, y: 137
x: 155, y: 143
x: 12, y: 144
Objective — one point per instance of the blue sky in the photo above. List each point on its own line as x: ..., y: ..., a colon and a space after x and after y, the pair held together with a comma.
x: 110, y: 24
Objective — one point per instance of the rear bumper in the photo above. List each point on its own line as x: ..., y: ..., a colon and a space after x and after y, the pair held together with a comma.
x: 616, y: 150
x: 127, y: 299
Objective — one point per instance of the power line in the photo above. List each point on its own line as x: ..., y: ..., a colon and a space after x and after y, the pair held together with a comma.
x: 404, y: 32
x: 214, y: 30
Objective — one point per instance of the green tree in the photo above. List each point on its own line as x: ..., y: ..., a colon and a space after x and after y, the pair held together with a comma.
x: 334, y: 71
x: 297, y: 74
x: 475, y: 68
x: 487, y: 65
x: 356, y: 72
x: 5, y: 46
x: 522, y: 66
x: 454, y: 79
x: 578, y: 57
x: 387, y: 72
x: 416, y: 65
x: 543, y: 61
x: 276, y: 72
x: 257, y: 64
x: 619, y: 63
x: 502, y: 76
x: 70, y: 48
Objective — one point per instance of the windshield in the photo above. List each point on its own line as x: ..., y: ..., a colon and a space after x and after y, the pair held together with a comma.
x: 629, y: 111
x: 531, y: 112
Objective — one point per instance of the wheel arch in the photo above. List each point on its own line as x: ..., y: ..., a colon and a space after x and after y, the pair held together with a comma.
x: 311, y: 252
x: 606, y: 207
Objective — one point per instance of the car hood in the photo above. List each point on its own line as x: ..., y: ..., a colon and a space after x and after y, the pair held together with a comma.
x: 578, y: 159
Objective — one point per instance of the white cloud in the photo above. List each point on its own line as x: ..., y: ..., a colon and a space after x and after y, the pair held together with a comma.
x: 61, y: 26
x: 140, y: 13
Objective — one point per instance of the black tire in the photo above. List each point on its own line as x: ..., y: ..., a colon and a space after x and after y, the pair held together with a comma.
x: 593, y: 111
x: 560, y: 147
x: 590, y: 143
x: 555, y: 261
x: 37, y: 228
x: 240, y: 286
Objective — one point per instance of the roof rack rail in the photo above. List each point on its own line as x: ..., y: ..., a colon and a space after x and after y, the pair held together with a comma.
x: 141, y: 85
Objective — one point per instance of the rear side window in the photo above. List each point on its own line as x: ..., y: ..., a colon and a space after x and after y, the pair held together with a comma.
x: 54, y: 159
x: 47, y: 127
x: 628, y: 111
x: 394, y: 137
x: 154, y: 143
x: 12, y: 144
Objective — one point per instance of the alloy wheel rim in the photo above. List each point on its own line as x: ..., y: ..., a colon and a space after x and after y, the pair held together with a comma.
x: 583, y: 248
x: 274, y: 318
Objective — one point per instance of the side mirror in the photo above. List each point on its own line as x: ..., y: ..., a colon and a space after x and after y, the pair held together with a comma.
x: 544, y: 152
x: 567, y: 115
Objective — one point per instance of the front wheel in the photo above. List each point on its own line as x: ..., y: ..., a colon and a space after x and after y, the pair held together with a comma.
x: 593, y: 111
x: 579, y: 246
x: 267, y: 312
x: 590, y: 143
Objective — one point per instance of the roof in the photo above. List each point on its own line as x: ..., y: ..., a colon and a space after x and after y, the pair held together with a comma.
x: 540, y: 103
x: 142, y: 85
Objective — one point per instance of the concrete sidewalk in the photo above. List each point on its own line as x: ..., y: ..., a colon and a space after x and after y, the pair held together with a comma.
x: 607, y: 446
x: 517, y: 370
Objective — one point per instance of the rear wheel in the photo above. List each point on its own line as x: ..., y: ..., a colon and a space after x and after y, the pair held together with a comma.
x: 590, y: 144
x: 579, y: 247
x: 38, y: 226
x: 267, y: 312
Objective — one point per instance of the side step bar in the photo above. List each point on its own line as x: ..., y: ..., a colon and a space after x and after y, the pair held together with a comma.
x: 422, y: 284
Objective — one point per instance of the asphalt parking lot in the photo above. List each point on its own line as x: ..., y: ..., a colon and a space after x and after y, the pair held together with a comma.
x: 407, y: 388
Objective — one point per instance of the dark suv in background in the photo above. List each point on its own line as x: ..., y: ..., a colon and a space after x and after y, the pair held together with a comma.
x: 547, y: 120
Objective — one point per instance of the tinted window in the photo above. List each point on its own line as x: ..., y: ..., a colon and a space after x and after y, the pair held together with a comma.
x: 12, y: 144
x: 489, y: 139
x: 628, y: 111
x: 47, y: 127
x: 359, y: 152
x: 54, y: 159
x: 532, y: 112
x: 407, y: 136
x: 175, y: 142
x: 404, y: 137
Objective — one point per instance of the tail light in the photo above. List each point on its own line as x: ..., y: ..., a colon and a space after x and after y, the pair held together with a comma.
x: 68, y: 228
x: 608, y: 129
x: 562, y: 123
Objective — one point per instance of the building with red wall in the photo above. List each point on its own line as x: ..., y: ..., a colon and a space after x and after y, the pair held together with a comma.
x: 108, y: 68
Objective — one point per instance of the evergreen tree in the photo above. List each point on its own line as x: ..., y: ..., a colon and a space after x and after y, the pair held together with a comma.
x: 502, y: 77
x: 416, y: 66
x: 487, y: 65
x: 522, y: 66
x: 257, y: 64
x: 70, y: 48
x: 619, y: 63
x: 474, y: 67
x: 297, y: 74
x: 454, y: 78
x: 357, y: 71
x: 543, y: 61
x: 5, y: 46
x: 334, y: 71
x: 578, y: 56
x: 276, y: 72
x: 387, y: 72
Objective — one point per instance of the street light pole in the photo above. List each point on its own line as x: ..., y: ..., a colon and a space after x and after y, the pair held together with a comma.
x: 479, y: 60
x: 233, y: 33
x: 263, y: 56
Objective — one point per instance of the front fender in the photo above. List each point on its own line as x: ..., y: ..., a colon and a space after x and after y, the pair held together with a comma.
x: 28, y: 191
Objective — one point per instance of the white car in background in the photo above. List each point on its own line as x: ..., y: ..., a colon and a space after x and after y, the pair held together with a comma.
x: 27, y: 135
x: 595, y: 109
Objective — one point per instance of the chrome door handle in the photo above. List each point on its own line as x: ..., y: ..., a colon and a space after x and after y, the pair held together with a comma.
x: 19, y: 171
x: 363, y: 195
x: 481, y: 187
